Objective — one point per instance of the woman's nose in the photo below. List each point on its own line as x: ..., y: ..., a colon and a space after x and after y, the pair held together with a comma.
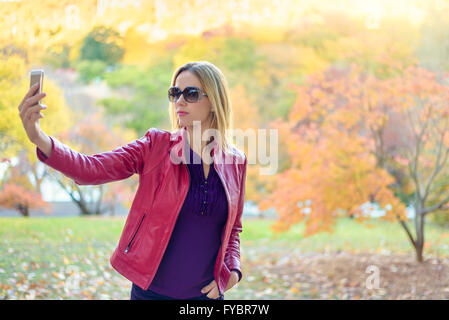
x: 181, y: 100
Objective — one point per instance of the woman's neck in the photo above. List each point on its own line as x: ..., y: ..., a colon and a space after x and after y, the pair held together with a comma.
x: 196, y: 142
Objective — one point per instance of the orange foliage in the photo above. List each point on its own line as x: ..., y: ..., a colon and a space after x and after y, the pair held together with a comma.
x: 17, y: 197
x: 334, y: 168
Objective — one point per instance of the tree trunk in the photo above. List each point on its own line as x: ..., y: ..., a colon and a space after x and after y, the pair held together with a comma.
x: 419, y: 224
x: 418, y: 243
x: 83, y: 207
x: 24, y: 210
x: 419, y: 256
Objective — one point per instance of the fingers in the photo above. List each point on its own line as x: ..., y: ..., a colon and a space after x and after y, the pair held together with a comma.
x: 32, y: 91
x: 212, y: 290
x: 35, y: 116
x: 34, y: 99
x: 213, y: 294
x: 30, y: 112
x: 31, y: 102
x: 29, y: 94
x: 207, y: 288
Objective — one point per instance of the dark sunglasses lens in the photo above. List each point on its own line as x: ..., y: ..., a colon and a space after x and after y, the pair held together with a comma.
x: 173, y: 94
x: 191, y: 95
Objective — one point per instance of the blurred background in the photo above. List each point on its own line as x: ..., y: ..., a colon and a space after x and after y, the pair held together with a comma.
x: 358, y: 92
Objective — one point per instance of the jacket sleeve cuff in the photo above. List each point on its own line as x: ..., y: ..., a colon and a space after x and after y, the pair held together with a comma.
x: 239, y: 273
x: 41, y: 156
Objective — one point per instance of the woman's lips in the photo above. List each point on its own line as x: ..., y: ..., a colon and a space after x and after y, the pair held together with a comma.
x: 182, y: 113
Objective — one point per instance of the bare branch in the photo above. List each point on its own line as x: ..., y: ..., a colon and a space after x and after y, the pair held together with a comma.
x: 413, y: 165
x: 440, y: 205
x: 437, y: 168
x: 407, y: 230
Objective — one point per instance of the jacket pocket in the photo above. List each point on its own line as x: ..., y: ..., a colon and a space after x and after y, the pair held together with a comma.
x: 135, y: 233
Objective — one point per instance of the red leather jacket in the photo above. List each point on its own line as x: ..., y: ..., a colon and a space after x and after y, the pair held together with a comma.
x: 159, y: 159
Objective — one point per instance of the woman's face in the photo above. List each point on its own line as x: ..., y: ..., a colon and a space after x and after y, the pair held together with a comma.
x: 196, y: 111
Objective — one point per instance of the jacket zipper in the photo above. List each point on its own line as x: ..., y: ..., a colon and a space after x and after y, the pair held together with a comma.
x: 138, y: 227
x: 135, y: 233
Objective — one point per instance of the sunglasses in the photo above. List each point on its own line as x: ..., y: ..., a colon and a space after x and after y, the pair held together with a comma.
x: 191, y: 94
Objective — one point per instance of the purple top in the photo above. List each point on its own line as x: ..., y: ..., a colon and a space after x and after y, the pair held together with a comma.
x: 188, y: 262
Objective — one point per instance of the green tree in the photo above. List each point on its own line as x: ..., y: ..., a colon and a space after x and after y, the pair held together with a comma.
x: 140, y: 99
x: 88, y: 70
x: 103, y: 43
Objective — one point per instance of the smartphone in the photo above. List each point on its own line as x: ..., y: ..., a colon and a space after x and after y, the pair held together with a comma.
x: 37, y: 76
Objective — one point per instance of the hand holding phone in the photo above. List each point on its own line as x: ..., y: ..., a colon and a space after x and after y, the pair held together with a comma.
x: 30, y: 108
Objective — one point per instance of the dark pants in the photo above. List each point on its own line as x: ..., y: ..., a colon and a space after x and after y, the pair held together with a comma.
x: 138, y: 293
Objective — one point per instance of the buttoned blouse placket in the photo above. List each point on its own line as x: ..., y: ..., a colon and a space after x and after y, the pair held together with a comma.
x: 203, y: 189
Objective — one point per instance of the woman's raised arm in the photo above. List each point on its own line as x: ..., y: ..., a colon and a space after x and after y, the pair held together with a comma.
x: 104, y: 167
x: 100, y: 168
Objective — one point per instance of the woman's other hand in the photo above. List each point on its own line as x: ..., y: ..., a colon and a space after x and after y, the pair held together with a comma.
x: 212, y: 288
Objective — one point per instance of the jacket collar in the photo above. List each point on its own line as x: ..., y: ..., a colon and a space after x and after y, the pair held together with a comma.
x: 177, y: 149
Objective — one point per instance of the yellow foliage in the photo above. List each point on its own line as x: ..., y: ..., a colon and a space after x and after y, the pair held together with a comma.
x: 266, y: 34
x: 197, y: 49
x: 14, y: 84
x: 310, y: 61
x: 75, y: 51
x: 138, y: 51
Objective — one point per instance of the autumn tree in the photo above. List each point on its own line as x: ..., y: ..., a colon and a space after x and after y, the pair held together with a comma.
x: 15, y: 196
x: 415, y: 139
x: 16, y: 190
x: 355, y: 138
x: 334, y: 170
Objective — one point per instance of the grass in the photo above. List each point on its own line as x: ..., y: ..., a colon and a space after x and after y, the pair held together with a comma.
x: 349, y: 235
x: 56, y: 229
x: 36, y: 252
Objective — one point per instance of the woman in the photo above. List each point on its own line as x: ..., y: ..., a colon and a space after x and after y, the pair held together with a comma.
x: 181, y: 237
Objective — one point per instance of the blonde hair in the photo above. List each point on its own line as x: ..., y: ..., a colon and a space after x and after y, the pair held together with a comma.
x: 214, y: 84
